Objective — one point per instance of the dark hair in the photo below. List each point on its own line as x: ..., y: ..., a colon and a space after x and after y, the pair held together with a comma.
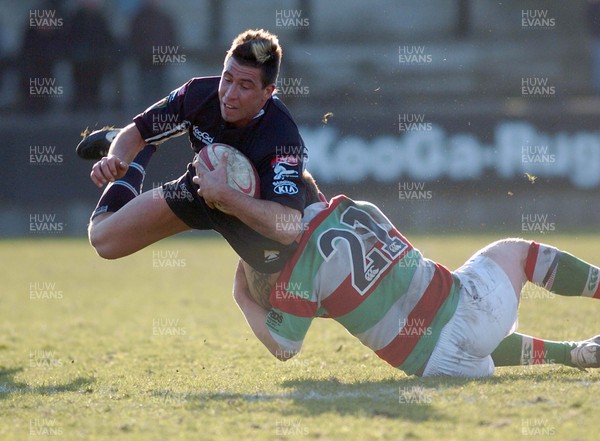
x: 258, y: 48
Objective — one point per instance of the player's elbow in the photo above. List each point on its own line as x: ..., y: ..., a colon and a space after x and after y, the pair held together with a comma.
x: 288, y: 235
x: 286, y: 240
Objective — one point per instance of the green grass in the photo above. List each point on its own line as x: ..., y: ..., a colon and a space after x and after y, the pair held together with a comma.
x: 134, y: 350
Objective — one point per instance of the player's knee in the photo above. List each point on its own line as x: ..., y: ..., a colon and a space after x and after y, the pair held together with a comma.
x: 101, y: 242
x: 514, y: 247
x: 510, y: 254
x: 513, y: 251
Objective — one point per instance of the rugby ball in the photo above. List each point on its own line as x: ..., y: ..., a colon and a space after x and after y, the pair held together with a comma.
x: 241, y: 173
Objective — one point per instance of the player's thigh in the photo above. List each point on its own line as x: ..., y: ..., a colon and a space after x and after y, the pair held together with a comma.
x: 486, y: 313
x: 487, y: 306
x: 142, y: 221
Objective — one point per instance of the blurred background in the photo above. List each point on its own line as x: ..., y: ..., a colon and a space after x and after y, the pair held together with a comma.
x: 455, y: 116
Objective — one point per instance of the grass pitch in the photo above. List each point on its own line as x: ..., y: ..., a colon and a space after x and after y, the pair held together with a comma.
x: 152, y: 347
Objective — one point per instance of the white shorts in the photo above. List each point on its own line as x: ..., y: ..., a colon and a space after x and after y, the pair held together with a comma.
x: 485, y: 315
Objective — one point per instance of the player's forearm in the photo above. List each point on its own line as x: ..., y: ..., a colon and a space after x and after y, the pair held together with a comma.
x: 127, y: 143
x: 255, y: 315
x: 271, y: 219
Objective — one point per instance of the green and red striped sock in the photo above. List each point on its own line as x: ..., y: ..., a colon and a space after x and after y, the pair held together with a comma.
x: 524, y: 350
x: 561, y: 272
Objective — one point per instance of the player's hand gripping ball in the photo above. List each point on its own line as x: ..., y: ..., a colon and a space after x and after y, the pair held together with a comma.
x: 241, y: 173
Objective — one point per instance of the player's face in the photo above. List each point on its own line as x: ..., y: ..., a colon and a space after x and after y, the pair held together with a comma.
x: 241, y: 93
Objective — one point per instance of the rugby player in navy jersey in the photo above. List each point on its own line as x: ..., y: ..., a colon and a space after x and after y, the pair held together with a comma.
x: 238, y: 108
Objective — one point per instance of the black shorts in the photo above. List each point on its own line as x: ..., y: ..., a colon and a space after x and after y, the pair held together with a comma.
x: 182, y: 197
x: 263, y: 254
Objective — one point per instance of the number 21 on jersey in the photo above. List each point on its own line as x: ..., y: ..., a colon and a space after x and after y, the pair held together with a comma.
x: 366, y: 265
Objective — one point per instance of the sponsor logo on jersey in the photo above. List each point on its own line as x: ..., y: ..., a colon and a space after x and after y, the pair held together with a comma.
x: 184, y: 193
x: 291, y: 159
x: 203, y: 136
x: 285, y: 187
x: 275, y: 317
x: 271, y: 255
x: 281, y: 172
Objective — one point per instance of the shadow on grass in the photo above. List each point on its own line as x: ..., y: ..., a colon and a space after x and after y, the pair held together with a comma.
x: 8, y: 385
x: 410, y: 398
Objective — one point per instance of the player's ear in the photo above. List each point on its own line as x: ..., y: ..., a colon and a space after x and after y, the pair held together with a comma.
x: 268, y: 91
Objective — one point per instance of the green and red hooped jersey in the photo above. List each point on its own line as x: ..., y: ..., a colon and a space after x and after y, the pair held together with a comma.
x: 354, y: 266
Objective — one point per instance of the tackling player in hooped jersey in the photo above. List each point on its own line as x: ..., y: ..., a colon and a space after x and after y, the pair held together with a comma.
x: 238, y: 108
x: 354, y: 266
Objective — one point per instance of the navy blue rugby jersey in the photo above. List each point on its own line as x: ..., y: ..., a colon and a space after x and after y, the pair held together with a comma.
x: 271, y: 141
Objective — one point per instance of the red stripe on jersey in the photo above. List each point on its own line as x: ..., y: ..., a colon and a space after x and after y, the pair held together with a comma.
x: 346, y: 298
x: 597, y: 293
x: 421, y: 317
x: 351, y: 299
x: 303, y: 307
x: 538, y: 351
x: 531, y: 260
x: 293, y: 304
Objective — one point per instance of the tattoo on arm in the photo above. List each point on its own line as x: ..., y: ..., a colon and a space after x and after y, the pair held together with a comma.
x: 260, y: 285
